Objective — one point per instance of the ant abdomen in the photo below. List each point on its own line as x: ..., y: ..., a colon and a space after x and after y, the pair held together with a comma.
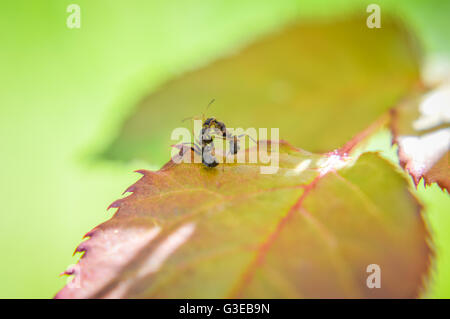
x: 208, y: 158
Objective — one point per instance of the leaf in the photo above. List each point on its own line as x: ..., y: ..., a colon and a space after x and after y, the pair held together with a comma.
x: 421, y: 129
x: 308, y: 231
x: 320, y: 83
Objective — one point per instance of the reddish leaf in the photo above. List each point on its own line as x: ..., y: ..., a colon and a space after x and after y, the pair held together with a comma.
x: 420, y: 127
x: 308, y: 231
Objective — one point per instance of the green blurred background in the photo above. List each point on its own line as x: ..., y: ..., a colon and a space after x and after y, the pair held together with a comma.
x: 64, y: 93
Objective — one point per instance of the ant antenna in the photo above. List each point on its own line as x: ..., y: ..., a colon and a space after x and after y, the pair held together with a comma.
x: 203, y: 114
x: 207, y: 107
x: 209, y: 104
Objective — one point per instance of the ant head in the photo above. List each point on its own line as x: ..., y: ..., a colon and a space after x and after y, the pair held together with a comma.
x: 208, y: 122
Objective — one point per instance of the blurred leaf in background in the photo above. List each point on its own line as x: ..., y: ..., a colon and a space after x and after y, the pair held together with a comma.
x: 280, y: 81
x: 65, y: 93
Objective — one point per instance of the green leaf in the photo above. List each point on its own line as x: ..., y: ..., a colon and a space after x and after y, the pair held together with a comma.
x: 308, y: 231
x: 320, y: 83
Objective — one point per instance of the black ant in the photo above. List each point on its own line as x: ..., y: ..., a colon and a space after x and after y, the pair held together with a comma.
x: 211, y: 128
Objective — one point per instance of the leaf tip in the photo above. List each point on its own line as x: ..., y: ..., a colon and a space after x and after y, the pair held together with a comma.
x: 130, y: 189
x: 142, y: 171
x: 80, y: 248
x: 115, y: 204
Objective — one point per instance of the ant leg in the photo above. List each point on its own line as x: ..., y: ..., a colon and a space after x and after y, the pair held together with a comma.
x: 191, y: 118
x: 238, y: 136
x: 230, y: 137
x: 245, y: 134
x: 198, y: 142
x: 195, y: 147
